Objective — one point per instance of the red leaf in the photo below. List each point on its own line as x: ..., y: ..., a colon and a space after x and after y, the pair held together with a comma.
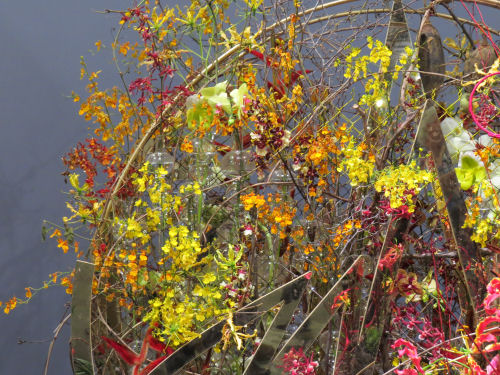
x: 359, y: 269
x: 146, y: 370
x: 125, y: 353
x: 280, y: 91
x: 483, y: 325
x: 260, y: 56
x: 157, y: 345
x: 221, y: 148
x: 347, y: 341
x: 492, y: 348
x: 488, y: 337
x: 246, y: 141
x: 495, y: 249
x: 369, y: 276
x: 476, y: 369
x: 297, y: 74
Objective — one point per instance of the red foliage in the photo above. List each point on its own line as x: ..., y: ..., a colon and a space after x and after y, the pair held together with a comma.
x: 88, y: 157
x: 410, y: 351
x: 137, y: 360
x: 390, y: 258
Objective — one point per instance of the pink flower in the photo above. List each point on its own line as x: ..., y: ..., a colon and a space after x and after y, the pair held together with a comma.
x: 295, y: 362
x: 494, y: 366
x: 410, y: 351
x: 407, y: 371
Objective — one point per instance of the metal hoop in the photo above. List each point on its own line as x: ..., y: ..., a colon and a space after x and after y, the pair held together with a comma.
x: 471, y: 109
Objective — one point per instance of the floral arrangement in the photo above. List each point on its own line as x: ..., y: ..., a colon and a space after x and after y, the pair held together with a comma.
x: 232, y: 158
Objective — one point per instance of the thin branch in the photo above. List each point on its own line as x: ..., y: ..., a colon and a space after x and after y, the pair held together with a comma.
x: 448, y: 254
x: 459, y: 23
x: 51, y: 346
x: 396, y: 134
x: 382, y: 251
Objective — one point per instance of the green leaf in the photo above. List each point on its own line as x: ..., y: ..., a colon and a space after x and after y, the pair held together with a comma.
x: 429, y: 287
x: 141, y: 280
x: 82, y: 367
x: 44, y: 232
x: 373, y: 335
x: 154, y: 279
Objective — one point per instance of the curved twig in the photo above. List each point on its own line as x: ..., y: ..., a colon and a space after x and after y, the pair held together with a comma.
x: 51, y: 346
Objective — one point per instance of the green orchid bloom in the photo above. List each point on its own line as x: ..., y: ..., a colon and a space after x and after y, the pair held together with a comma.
x: 238, y: 97
x: 470, y: 173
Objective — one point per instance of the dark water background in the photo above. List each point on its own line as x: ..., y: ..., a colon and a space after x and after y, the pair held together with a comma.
x: 41, y: 44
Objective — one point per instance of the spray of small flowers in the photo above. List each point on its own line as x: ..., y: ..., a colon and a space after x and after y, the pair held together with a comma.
x: 230, y: 159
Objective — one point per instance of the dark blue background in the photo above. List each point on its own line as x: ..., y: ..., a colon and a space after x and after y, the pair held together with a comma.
x: 41, y: 44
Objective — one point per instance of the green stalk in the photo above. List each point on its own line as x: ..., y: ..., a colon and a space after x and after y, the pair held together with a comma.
x: 272, y: 255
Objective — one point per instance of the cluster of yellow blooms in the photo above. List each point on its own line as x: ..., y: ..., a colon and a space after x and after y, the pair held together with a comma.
x: 279, y: 217
x: 484, y: 228
x: 359, y: 168
x: 376, y: 84
x: 400, y: 184
x: 343, y: 232
x: 185, y: 277
x: 252, y: 200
